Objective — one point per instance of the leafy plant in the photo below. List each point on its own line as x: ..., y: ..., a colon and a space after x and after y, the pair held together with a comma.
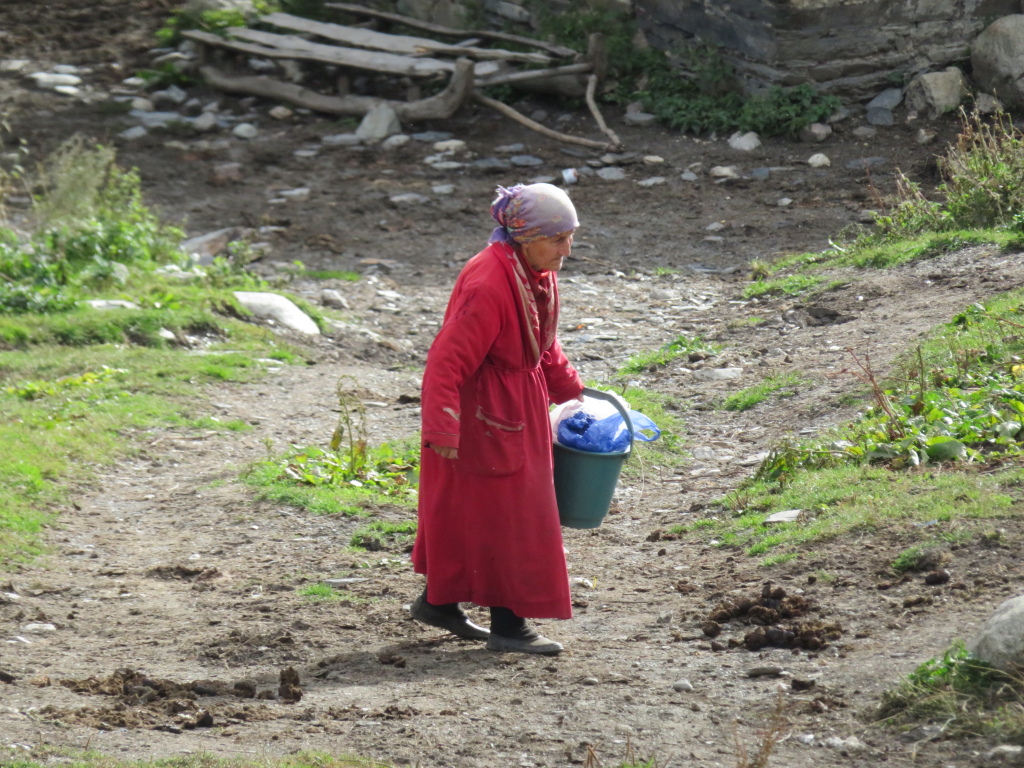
x: 681, y: 345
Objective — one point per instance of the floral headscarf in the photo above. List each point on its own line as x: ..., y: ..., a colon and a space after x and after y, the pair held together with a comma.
x: 528, y: 213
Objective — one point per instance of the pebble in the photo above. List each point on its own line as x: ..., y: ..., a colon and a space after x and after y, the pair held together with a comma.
x: 525, y: 161
x: 67, y: 90
x: 432, y: 137
x: 865, y: 132
x: 443, y: 189
x: 745, y: 142
x: 299, y: 193
x: 396, y: 141
x: 450, y: 145
x: 784, y: 202
x: 725, y: 172
x: 171, y: 94
x: 16, y: 65
x: 806, y: 738
x: 51, y: 80
x: 653, y: 159
x: 447, y: 165
x: 851, y: 744
x: 702, y: 453
x: 767, y: 670
x: 412, y: 198
x: 38, y: 629
x: 570, y: 176
x: 136, y: 132
x: 205, y: 122
x: 785, y: 516
x: 590, y: 681
x: 341, y: 140
x: 815, y: 133
x: 143, y: 105
x: 680, y: 686
x: 611, y: 174
x: 651, y: 182
x: 717, y: 374
x: 245, y: 131
x: 819, y: 160
x: 688, y: 176
x: 305, y: 153
x: 331, y: 298
x: 281, y: 112
x: 715, y: 226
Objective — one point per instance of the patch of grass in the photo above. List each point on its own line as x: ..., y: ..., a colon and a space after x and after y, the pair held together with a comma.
x: 791, y: 285
x: 967, y: 696
x: 778, y: 559
x: 318, y: 591
x: 332, y: 274
x: 384, y: 535
x: 747, y: 398
x: 644, y: 362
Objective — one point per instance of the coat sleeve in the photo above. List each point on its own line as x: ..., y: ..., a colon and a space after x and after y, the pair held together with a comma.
x: 470, y: 328
x: 562, y: 380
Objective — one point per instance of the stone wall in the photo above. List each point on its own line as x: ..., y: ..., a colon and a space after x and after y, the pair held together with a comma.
x: 842, y: 46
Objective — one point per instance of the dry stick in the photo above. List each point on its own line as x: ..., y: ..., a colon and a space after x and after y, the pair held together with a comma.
x: 591, y: 90
x: 506, y: 110
x: 530, y: 75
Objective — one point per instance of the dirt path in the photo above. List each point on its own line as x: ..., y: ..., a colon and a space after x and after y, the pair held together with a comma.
x: 169, y: 568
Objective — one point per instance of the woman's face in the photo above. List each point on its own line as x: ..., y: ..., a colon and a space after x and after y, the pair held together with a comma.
x: 547, y: 253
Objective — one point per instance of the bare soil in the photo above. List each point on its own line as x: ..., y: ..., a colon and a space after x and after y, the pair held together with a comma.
x: 174, y: 593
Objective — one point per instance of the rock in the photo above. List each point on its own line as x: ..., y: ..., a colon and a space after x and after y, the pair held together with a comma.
x: 525, y: 161
x: 396, y: 141
x: 688, y: 176
x: 651, y: 182
x: 299, y: 194
x: 937, y: 577
x: 703, y: 453
x: 207, y: 121
x: 281, y: 112
x: 341, y: 140
x: 717, y: 374
x: 815, y: 133
x: 245, y: 131
x: 995, y: 59
x: 715, y: 226
x: 766, y: 670
x: 589, y: 681
x: 224, y: 173
x: 1006, y: 754
x: 639, y: 118
x: 784, y: 202
x: 167, y: 334
x: 786, y: 516
x: 443, y: 189
x: 50, y: 80
x: 271, y: 306
x: 745, y: 142
x: 39, y: 628
x: 105, y: 304
x: 331, y: 298
x: 653, y: 160
x: 170, y: 95
x: 725, y: 172
x: 160, y: 119
x: 851, y: 744
x: 878, y: 116
x: 207, y: 246
x: 450, y: 145
x: 888, y: 99
x: 14, y: 65
x: 682, y: 686
x: 819, y: 160
x: 570, y: 176
x: 136, y: 132
x: 865, y: 132
x: 1000, y: 640
x: 986, y: 104
x: 379, y: 123
x: 409, y: 198
x: 431, y: 137
x: 761, y: 174
x: 141, y: 104
x: 937, y: 92
x: 611, y: 174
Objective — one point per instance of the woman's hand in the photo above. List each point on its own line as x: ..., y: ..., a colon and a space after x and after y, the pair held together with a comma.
x: 445, y: 451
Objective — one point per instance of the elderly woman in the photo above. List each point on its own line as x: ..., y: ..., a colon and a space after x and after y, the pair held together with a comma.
x: 488, y: 522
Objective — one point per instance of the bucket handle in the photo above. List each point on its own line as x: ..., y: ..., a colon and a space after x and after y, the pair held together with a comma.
x: 597, y: 394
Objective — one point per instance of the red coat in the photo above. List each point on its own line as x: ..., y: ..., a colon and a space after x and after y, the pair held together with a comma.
x: 488, y: 522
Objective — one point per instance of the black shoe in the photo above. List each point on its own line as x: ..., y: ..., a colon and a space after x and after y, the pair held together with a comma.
x: 526, y: 642
x: 457, y: 623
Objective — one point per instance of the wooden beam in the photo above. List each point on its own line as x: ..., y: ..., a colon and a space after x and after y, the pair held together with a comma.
x: 438, y: 107
x: 400, y: 44
x: 552, y: 48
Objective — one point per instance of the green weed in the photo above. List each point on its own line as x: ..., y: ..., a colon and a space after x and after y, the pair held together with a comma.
x: 319, y: 591
x: 384, y: 535
x: 682, y: 345
x: 747, y: 398
x: 791, y: 285
x: 331, y: 274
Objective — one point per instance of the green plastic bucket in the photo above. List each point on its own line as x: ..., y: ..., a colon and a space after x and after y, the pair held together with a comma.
x: 585, y: 481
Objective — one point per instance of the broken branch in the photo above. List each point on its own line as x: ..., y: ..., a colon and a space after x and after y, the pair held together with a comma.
x: 522, y: 119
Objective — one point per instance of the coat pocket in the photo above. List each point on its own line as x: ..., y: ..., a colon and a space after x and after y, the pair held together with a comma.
x: 491, y: 445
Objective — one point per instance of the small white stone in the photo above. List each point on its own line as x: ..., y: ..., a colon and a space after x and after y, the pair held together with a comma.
x: 281, y: 112
x: 67, y: 90
x: 451, y: 145
x: 245, y: 131
x: 784, y: 202
x: 654, y: 181
x: 38, y: 629
x: 745, y: 142
x: 396, y: 141
x: 299, y: 193
x: 681, y: 686
x: 611, y: 174
x: 443, y: 189
x: 137, y: 132
x: 205, y: 122
x: 653, y: 159
x: 725, y: 172
x: 819, y: 160
x: 143, y: 105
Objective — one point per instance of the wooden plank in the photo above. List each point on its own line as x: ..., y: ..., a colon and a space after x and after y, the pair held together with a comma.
x: 552, y: 48
x: 270, y: 46
x: 400, y: 44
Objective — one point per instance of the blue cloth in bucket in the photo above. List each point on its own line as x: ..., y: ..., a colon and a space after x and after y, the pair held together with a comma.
x: 584, y: 432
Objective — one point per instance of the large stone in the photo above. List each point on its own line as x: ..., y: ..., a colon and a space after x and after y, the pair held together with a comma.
x: 997, y: 60
x: 937, y: 92
x: 206, y: 247
x: 271, y: 306
x: 1000, y: 640
x: 379, y: 123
